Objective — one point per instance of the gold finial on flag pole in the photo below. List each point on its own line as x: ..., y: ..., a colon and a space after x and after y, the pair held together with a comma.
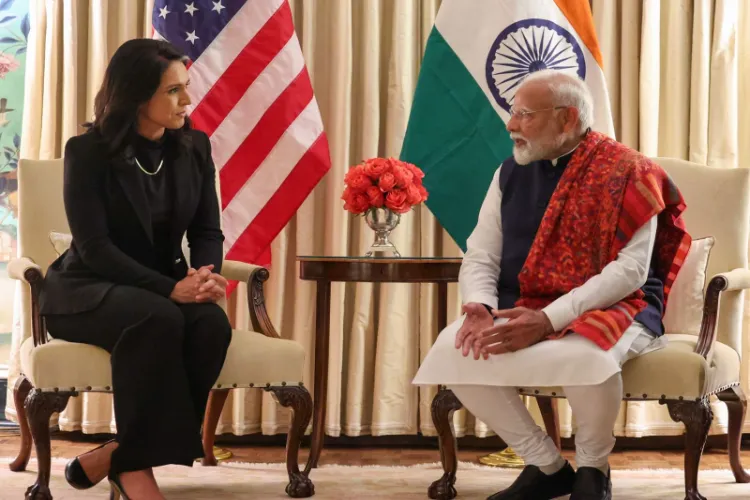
x: 506, y: 458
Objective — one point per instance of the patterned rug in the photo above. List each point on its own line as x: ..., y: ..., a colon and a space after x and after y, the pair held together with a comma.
x: 267, y: 481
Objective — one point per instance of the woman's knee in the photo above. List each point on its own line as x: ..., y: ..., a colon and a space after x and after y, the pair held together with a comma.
x: 149, y: 311
x: 168, y: 316
x: 216, y: 319
x: 140, y: 304
x: 208, y: 323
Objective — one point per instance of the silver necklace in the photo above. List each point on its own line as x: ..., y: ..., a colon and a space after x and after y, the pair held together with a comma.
x: 146, y: 171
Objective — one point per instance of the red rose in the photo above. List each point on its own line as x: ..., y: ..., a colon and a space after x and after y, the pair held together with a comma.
x: 413, y: 195
x: 387, y: 182
x: 423, y: 192
x: 396, y: 201
x: 360, y: 182
x: 416, y: 171
x: 375, y: 167
x: 355, y: 201
x: 402, y: 175
x: 352, y: 173
x: 376, y: 197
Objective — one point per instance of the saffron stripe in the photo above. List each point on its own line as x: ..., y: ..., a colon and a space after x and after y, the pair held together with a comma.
x: 578, y: 13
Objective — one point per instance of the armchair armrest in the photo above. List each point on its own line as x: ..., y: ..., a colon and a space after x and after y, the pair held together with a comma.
x: 254, y: 276
x: 26, y: 270
x: 734, y: 280
x: 240, y: 271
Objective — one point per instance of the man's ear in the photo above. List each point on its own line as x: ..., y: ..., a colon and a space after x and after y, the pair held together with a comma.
x: 570, y: 117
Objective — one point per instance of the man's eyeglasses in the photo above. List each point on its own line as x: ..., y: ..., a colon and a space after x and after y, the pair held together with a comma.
x: 524, y: 113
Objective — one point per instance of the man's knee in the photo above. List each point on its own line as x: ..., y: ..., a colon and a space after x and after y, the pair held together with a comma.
x: 600, y: 399
x: 595, y: 409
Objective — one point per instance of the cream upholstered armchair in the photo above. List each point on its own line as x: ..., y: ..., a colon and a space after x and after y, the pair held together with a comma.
x: 54, y: 370
x: 698, y: 362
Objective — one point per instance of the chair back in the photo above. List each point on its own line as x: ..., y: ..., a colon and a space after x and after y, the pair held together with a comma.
x: 41, y: 209
x: 718, y: 205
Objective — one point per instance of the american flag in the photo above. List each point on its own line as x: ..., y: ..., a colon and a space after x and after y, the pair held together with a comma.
x: 252, y: 95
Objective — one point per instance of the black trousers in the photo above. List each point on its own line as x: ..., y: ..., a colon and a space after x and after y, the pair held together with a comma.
x: 165, y: 359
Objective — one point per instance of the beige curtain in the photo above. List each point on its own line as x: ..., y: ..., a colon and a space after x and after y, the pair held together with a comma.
x: 675, y: 70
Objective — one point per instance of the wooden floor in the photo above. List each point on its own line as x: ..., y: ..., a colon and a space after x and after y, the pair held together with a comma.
x: 70, y: 445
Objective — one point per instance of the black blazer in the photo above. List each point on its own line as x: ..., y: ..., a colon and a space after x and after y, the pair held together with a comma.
x: 109, y: 218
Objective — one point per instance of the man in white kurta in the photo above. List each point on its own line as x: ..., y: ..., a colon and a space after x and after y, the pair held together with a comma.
x: 487, y: 353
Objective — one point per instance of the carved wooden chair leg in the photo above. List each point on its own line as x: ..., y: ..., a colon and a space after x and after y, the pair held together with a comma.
x: 697, y: 416
x: 39, y: 408
x: 737, y: 407
x: 548, y: 409
x: 216, y: 400
x: 443, y: 405
x: 20, y: 392
x: 298, y: 398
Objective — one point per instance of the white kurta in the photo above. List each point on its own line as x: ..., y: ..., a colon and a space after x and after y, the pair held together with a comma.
x: 572, y: 360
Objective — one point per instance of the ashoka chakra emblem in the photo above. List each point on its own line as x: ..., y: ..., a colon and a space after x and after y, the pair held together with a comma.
x: 527, y: 46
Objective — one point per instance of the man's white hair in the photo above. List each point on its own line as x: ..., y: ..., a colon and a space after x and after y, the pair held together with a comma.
x: 567, y: 90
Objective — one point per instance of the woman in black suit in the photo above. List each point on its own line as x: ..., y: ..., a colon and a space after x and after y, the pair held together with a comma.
x: 135, y: 183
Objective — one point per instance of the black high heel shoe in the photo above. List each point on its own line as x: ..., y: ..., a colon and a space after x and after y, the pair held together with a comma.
x: 76, y: 476
x: 116, y: 492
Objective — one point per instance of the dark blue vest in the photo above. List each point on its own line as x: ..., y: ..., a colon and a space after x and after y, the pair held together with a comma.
x: 526, y: 191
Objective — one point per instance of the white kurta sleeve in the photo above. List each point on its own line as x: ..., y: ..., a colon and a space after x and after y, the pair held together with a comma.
x: 480, y: 269
x: 618, y: 279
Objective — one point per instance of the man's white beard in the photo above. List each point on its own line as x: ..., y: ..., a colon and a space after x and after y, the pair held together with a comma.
x: 539, y: 150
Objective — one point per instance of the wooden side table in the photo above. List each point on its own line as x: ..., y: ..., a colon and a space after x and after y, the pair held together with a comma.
x: 325, y: 270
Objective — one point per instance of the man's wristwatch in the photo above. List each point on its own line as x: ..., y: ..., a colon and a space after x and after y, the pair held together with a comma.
x: 489, y: 309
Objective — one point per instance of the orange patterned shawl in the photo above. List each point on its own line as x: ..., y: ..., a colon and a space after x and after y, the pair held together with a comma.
x: 607, y: 192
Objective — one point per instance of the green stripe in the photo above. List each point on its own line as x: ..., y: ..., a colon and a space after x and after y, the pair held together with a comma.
x: 456, y: 136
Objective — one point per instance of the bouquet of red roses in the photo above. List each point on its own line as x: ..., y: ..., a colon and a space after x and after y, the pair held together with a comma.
x: 383, y: 183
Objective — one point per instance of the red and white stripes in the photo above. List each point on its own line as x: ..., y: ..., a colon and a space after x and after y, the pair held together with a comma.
x: 252, y: 95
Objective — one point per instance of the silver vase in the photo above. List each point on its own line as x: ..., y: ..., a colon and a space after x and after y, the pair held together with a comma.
x: 382, y: 221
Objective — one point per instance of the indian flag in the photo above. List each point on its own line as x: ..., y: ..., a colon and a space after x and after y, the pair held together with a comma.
x: 477, y: 55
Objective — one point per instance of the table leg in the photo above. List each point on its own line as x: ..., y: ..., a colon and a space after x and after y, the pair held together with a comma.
x: 320, y: 390
x: 443, y: 405
x: 442, y: 306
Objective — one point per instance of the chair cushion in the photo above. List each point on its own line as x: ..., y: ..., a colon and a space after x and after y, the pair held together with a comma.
x: 66, y: 366
x: 253, y: 360
x: 684, y: 312
x: 60, y: 241
x: 673, y: 372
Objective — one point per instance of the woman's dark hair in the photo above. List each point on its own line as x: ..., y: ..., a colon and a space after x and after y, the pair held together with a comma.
x: 133, y: 76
